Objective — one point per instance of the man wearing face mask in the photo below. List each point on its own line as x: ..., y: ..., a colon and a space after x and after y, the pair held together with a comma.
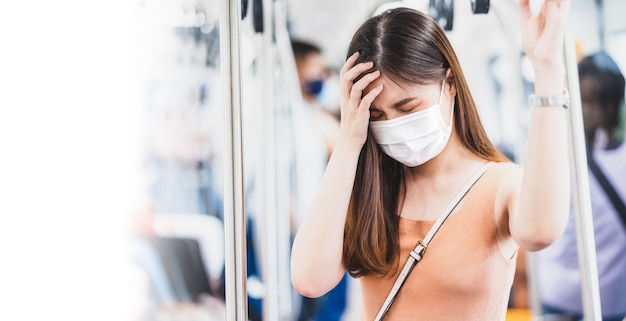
x: 312, y: 73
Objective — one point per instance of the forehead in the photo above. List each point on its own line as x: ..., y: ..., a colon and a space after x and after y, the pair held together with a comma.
x: 396, y: 90
x: 311, y: 60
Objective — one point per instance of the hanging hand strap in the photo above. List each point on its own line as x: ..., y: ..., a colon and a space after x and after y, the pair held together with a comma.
x: 418, y: 252
x: 608, y: 188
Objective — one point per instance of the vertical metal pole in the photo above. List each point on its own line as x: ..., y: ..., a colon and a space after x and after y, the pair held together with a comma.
x: 582, y: 201
x: 601, y: 27
x: 234, y: 219
x: 268, y: 176
x: 289, y: 300
x: 533, y: 288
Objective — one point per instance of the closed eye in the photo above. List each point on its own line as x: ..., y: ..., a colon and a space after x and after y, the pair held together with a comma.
x: 407, y: 110
x: 375, y: 114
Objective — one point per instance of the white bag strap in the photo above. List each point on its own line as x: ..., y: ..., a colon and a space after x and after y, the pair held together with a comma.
x: 418, y: 252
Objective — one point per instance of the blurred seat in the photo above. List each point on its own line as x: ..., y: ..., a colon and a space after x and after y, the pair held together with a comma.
x: 182, y: 262
x: 207, y: 230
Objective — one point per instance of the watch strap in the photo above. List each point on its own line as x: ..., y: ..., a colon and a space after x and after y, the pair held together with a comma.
x: 550, y: 100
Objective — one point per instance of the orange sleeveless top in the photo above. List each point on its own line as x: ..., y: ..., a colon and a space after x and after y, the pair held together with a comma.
x: 463, y: 275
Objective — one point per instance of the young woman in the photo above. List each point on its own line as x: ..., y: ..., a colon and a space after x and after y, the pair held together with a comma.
x: 410, y: 139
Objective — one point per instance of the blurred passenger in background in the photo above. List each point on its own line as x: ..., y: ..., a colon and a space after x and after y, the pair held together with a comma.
x: 312, y: 74
x: 602, y: 92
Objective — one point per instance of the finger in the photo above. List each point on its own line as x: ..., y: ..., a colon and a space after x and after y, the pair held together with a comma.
x: 348, y: 77
x: 349, y: 63
x: 553, y: 18
x: 344, y: 86
x: 357, y: 70
x: 367, y: 100
x: 524, y: 6
x: 562, y: 6
x: 565, y: 7
x: 357, y: 89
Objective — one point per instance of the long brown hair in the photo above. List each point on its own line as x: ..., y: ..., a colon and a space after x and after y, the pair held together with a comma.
x: 409, y: 47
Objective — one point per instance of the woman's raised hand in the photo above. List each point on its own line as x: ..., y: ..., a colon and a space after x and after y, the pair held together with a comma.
x: 542, y: 35
x: 355, y: 107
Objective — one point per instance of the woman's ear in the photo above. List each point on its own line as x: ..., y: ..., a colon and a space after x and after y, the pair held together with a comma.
x: 450, y: 81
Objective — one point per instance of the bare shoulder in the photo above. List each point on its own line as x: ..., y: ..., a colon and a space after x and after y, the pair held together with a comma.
x: 511, y: 180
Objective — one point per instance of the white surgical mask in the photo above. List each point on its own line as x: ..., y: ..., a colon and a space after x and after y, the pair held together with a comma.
x: 415, y: 138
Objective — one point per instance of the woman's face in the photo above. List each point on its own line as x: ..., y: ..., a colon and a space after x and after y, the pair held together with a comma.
x: 398, y: 99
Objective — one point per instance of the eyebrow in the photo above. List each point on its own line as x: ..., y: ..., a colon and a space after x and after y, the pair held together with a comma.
x: 397, y: 104
x: 403, y: 102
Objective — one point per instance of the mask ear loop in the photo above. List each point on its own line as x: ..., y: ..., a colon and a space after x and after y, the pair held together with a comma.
x: 451, y: 115
x: 443, y: 85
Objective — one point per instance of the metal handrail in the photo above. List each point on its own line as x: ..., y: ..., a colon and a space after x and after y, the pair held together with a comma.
x: 585, y: 239
x: 234, y: 218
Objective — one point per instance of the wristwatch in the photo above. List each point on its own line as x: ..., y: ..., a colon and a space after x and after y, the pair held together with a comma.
x: 550, y: 100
